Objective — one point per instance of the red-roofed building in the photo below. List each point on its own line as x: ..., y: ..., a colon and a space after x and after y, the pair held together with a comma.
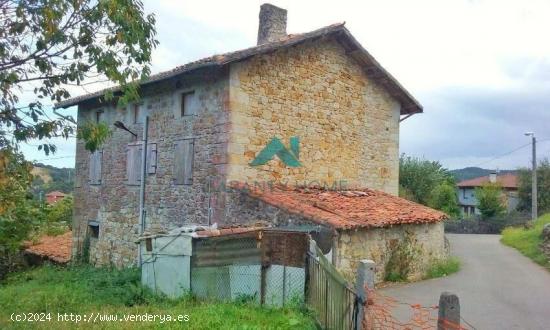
x: 366, y: 223
x: 466, y: 191
x: 54, y: 197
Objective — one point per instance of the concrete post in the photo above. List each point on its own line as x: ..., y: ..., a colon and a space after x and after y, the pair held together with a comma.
x: 449, y: 312
x: 365, y: 277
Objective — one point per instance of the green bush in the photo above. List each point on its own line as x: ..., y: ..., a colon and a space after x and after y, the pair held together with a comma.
x: 441, y: 268
x: 527, y: 240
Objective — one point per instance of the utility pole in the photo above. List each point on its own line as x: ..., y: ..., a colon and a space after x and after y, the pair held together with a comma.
x: 534, y: 194
x: 142, y: 214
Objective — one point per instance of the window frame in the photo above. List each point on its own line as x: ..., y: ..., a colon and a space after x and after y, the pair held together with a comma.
x: 183, y: 95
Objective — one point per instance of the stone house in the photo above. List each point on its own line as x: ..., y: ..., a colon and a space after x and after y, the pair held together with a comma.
x: 466, y: 192
x: 209, y: 121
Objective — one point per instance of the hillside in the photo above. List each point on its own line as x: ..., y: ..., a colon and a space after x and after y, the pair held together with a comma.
x: 474, y: 172
x: 49, y: 178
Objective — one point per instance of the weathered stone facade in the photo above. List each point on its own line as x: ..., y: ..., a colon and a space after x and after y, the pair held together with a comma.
x: 114, y: 203
x: 424, y: 241
x: 347, y: 124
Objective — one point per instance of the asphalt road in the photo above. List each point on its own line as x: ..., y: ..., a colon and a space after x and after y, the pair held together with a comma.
x: 498, y: 287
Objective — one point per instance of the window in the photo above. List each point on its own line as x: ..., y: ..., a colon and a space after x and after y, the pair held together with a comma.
x: 133, y: 162
x: 137, y: 113
x: 93, y: 229
x: 98, y: 116
x: 95, y: 167
x: 149, y: 244
x: 464, y: 194
x: 188, y: 104
x: 183, y: 164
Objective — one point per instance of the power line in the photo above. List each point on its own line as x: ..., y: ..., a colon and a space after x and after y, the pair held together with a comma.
x: 52, y: 158
x: 508, y: 153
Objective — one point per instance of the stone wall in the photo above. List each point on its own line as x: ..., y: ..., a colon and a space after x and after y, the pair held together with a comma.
x: 425, y: 241
x: 114, y: 203
x: 347, y: 124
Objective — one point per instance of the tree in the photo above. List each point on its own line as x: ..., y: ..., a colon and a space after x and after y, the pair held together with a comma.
x: 48, y: 45
x: 543, y: 187
x: 443, y: 198
x: 490, y: 200
x: 16, y: 214
x: 419, y: 177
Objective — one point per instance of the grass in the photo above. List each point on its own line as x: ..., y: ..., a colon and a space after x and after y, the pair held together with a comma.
x: 84, y: 290
x: 527, y: 241
x: 441, y: 268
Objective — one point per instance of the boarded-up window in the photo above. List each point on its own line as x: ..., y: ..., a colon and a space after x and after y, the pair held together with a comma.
x: 138, y: 113
x: 133, y: 162
x: 183, y: 164
x: 95, y: 167
x: 188, y: 104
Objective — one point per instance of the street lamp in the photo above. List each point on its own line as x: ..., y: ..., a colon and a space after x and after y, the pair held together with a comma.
x: 534, y: 210
x: 119, y: 124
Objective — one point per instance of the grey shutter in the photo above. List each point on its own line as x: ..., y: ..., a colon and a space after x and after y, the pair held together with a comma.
x: 133, y: 164
x: 152, y: 158
x: 183, y: 165
x: 95, y: 167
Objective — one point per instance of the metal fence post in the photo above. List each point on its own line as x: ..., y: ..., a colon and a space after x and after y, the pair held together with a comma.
x: 365, y: 277
x: 449, y: 312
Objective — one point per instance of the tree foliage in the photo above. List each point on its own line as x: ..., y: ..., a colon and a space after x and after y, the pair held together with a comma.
x: 428, y: 183
x: 48, y: 45
x: 543, y: 187
x: 490, y: 200
x: 443, y: 198
x: 16, y: 215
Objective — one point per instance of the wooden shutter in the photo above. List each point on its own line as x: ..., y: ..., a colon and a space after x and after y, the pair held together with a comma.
x: 152, y: 158
x: 133, y: 164
x: 183, y: 165
x: 95, y: 167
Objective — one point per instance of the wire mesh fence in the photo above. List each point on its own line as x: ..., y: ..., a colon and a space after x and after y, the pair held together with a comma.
x: 265, y: 267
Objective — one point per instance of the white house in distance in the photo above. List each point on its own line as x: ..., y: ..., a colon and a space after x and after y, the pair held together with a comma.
x: 466, y: 189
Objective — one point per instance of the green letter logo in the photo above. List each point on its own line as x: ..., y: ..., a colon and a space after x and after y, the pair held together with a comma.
x: 276, y: 147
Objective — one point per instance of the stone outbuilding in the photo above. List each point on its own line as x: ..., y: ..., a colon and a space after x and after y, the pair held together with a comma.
x: 311, y: 109
x: 361, y: 224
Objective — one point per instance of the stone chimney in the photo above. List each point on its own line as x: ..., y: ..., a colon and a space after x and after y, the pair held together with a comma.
x: 272, y: 23
x: 493, y: 177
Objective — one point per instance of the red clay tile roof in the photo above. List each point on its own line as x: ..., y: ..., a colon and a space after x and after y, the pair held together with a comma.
x: 55, y: 248
x: 508, y: 180
x: 362, y: 208
x: 56, y: 193
x: 371, y: 66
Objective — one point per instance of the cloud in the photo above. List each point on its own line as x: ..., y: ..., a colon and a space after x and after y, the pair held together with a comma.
x: 480, y: 68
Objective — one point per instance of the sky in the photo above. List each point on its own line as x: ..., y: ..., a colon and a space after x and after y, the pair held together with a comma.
x: 481, y: 69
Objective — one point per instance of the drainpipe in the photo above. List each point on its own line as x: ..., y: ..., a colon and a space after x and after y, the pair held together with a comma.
x: 142, y: 183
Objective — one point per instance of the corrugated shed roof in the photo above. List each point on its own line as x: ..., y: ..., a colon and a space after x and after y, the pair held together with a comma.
x: 354, y: 49
x: 507, y: 180
x: 360, y: 208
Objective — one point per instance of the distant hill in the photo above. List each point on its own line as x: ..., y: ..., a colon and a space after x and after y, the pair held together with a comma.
x: 474, y: 172
x: 50, y: 178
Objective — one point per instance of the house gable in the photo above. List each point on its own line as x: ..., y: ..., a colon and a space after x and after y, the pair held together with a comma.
x: 347, y: 123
